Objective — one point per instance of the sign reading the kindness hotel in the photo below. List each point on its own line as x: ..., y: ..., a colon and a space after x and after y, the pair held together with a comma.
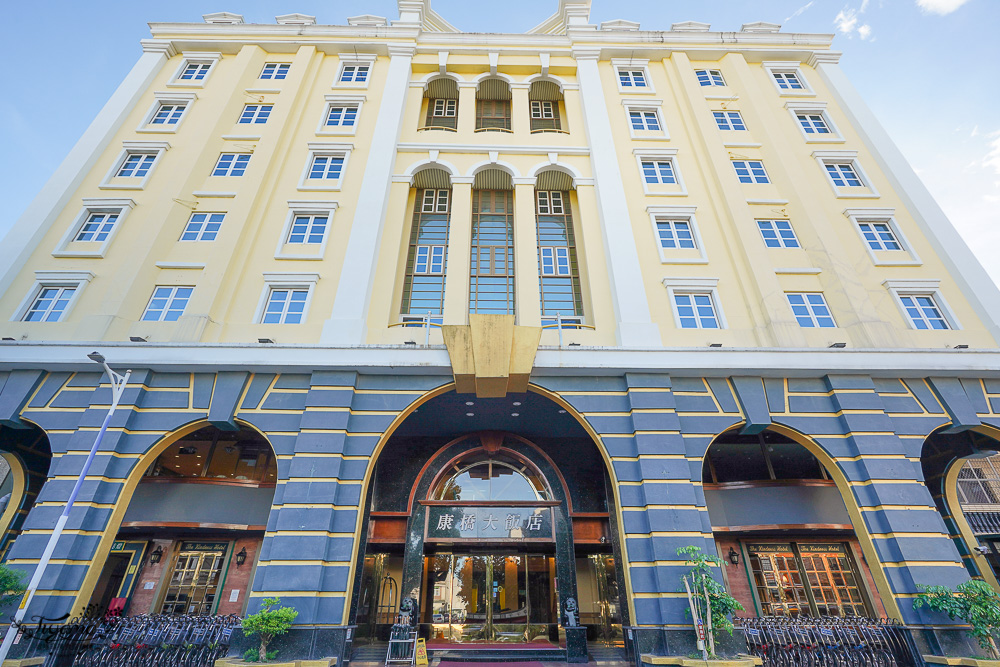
x: 449, y: 523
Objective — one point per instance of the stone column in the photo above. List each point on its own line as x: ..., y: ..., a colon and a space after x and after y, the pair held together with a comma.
x: 527, y: 288
x: 456, y: 286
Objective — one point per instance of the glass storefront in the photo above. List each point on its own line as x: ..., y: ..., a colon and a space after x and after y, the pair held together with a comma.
x: 805, y: 579
x: 194, y: 581
x: 490, y: 598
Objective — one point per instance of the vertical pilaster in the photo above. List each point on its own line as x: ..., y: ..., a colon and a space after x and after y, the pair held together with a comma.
x: 466, y: 106
x: 520, y: 116
x: 456, y: 286
x: 635, y: 327
x: 527, y: 288
x: 346, y: 324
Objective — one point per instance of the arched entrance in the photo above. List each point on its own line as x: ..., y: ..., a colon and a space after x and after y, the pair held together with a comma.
x: 780, y: 522
x: 26, y: 455
x: 497, y: 518
x: 962, y: 472
x: 194, y: 522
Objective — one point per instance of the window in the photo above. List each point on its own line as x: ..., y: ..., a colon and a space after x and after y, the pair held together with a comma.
x: 675, y: 234
x: 559, y: 273
x: 285, y: 306
x: 543, y: 106
x: 813, y: 122
x: 787, y: 80
x: 255, y: 114
x: 696, y: 310
x: 345, y: 115
x: 843, y: 175
x: 167, y: 304
x: 97, y: 227
x: 50, y: 303
x: 231, y: 164
x: 136, y: 165
x: 729, y: 120
x: 879, y: 236
x: 750, y: 171
x: 168, y: 114
x: 354, y: 73
x: 923, y: 311
x: 810, y: 309
x: 492, y: 114
x: 778, y: 233
x: 308, y: 229
x: 203, y: 227
x: 709, y: 77
x: 445, y: 108
x: 275, y: 71
x: 195, y: 71
x: 341, y: 114
x: 631, y: 78
x: 647, y: 120
x: 492, y: 268
x: 326, y: 167
x: 423, y: 286
x: 542, y: 109
x: 658, y: 171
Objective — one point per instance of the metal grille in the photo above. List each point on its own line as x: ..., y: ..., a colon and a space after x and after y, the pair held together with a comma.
x: 828, y: 642
x: 491, y: 287
x: 558, y: 271
x: 423, y: 287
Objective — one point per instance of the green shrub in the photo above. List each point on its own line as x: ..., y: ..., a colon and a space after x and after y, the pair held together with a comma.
x: 11, y: 586
x: 253, y: 655
x: 268, y: 623
x: 723, y: 605
x: 974, y: 602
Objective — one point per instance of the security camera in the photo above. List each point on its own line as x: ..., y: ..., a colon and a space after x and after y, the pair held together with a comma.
x: 982, y: 551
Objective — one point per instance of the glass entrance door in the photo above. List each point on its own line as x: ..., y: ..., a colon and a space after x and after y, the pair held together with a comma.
x: 490, y: 598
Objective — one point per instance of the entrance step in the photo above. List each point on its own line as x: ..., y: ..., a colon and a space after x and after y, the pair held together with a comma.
x: 374, y: 652
x: 450, y: 656
x: 605, y: 653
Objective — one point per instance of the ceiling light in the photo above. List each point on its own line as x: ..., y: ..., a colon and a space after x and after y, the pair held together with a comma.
x: 470, y: 414
x: 96, y: 356
x: 469, y: 403
x: 562, y: 412
x: 515, y: 414
x: 517, y: 402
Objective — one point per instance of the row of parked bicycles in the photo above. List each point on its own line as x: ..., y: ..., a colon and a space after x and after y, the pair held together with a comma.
x: 137, y: 641
x: 848, y: 641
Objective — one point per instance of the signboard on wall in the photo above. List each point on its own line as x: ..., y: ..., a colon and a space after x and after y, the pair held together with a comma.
x: 449, y: 523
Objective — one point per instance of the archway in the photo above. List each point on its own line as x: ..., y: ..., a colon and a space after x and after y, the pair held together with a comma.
x: 962, y: 472
x: 193, y: 515
x: 499, y: 566
x: 26, y: 455
x: 804, y: 559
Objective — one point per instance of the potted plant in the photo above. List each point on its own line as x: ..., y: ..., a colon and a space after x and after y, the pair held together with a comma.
x: 711, y: 608
x: 973, y: 602
x: 271, y: 621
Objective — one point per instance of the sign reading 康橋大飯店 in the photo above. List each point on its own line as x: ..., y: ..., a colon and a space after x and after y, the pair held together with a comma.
x: 511, y: 524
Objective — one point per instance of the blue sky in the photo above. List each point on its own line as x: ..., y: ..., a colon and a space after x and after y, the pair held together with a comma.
x: 926, y: 67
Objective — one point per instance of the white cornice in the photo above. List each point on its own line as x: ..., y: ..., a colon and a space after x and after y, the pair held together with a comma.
x: 392, y: 359
x: 476, y: 148
x: 158, y: 46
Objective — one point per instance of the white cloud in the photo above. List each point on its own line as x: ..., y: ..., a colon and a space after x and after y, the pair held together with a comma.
x: 941, y: 7
x: 800, y: 10
x: 865, y: 31
x: 849, y: 24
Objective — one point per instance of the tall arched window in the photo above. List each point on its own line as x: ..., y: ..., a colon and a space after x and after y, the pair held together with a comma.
x: 544, y: 99
x: 497, y: 478
x: 493, y: 106
x: 491, y: 284
x: 558, y: 270
x: 426, y: 261
x: 442, y: 105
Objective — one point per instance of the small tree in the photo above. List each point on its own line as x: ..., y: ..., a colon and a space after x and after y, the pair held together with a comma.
x: 11, y: 586
x: 974, y: 602
x: 269, y: 623
x: 722, y: 604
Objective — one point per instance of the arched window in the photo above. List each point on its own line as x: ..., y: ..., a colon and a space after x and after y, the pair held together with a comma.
x: 765, y: 456
x: 493, y: 106
x: 442, y: 105
x: 544, y: 98
x: 496, y: 478
x: 426, y: 261
x: 558, y: 269
x: 491, y: 288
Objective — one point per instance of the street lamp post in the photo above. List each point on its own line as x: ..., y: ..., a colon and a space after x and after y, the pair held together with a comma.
x: 118, y: 383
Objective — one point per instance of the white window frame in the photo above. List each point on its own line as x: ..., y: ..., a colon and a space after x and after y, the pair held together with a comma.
x: 712, y: 83
x: 291, y: 281
x: 431, y: 247
x: 728, y: 121
x: 678, y: 189
x: 355, y: 59
x: 783, y: 67
x: 905, y: 257
x: 215, y: 165
x: 181, y: 239
x: 921, y: 287
x: 819, y: 109
x: 324, y: 149
x: 68, y: 246
x: 111, y: 179
x: 340, y: 101
x: 76, y: 279
x: 733, y: 162
x: 271, y: 62
x: 760, y: 233
x: 867, y: 189
x: 284, y: 250
x: 256, y: 114
x: 532, y: 106
x: 812, y: 315
x: 696, y: 255
x: 192, y: 57
x: 633, y: 64
x: 695, y: 286
x: 169, y: 301
x: 645, y: 106
x: 159, y: 99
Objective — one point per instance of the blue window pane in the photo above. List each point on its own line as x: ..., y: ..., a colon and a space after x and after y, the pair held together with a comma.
x: 137, y: 165
x: 275, y: 71
x: 843, y: 175
x: 195, y: 71
x: 326, y: 166
x: 255, y: 113
x: 231, y: 164
x: 97, y: 227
